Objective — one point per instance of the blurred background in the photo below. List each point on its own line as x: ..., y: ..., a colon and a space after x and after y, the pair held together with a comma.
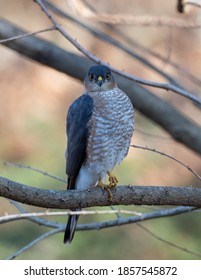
x: 34, y: 100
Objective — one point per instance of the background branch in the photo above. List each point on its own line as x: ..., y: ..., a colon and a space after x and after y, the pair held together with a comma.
x: 164, y: 114
x: 168, y: 242
x: 155, y: 56
x: 97, y: 60
x: 101, y: 225
x: 32, y: 243
x: 112, y: 41
x: 171, y: 157
x: 83, y: 10
x: 45, y: 173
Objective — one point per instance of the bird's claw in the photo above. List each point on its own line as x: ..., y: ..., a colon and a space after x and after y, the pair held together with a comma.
x: 112, y: 183
x: 112, y: 179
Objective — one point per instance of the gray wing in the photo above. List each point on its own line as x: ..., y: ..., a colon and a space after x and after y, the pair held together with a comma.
x: 78, y: 117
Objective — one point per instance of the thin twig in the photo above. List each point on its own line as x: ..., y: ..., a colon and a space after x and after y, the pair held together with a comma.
x: 36, y: 170
x: 140, y: 47
x: 117, y: 222
x: 161, y: 213
x: 182, y: 4
x: 32, y: 243
x: 168, y: 87
x: 91, y: 226
x: 168, y: 242
x: 39, y: 221
x: 134, y: 219
x: 84, y: 11
x: 134, y: 44
x: 114, y: 42
x: 171, y: 157
x: 111, y: 223
x: 60, y: 226
x: 13, y: 217
x: 27, y: 34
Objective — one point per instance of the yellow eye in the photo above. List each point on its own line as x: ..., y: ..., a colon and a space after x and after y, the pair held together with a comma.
x: 107, y: 76
x: 91, y: 77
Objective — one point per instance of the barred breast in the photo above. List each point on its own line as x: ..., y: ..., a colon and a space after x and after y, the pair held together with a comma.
x: 110, y: 130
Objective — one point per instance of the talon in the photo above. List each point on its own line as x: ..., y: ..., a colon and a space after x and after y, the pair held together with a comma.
x: 112, y: 179
x: 101, y: 184
x: 107, y: 188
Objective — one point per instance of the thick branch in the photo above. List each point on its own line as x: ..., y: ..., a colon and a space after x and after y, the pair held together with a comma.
x: 123, y: 195
x: 181, y: 129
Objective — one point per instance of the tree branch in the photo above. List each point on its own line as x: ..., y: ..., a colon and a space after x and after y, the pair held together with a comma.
x: 119, y: 221
x: 176, y: 246
x: 181, y: 129
x: 32, y: 243
x: 168, y: 87
x: 122, y: 195
x: 45, y: 173
x: 112, y: 41
x: 171, y: 157
x: 111, y: 223
x: 83, y: 10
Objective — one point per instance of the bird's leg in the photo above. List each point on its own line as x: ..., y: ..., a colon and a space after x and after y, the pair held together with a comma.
x: 105, y: 187
x: 112, y: 179
x: 112, y: 183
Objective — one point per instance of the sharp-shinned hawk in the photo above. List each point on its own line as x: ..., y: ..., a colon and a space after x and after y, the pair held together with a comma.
x: 100, y: 124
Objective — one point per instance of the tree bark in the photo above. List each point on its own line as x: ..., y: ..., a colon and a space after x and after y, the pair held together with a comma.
x: 122, y: 195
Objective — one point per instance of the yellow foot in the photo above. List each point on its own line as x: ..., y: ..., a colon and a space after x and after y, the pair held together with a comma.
x: 112, y: 179
x: 105, y: 187
x: 112, y: 183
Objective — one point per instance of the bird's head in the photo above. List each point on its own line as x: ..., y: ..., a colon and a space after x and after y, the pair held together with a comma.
x: 99, y: 78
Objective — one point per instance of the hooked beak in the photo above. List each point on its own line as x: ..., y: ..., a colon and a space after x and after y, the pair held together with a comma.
x: 100, y: 81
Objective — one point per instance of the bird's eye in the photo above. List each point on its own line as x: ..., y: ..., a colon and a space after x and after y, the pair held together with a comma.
x: 107, y: 76
x: 91, y: 77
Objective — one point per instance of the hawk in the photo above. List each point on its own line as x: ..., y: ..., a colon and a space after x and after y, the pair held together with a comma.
x: 99, y: 127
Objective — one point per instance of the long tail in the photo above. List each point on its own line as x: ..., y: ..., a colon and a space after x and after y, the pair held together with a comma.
x: 70, y: 228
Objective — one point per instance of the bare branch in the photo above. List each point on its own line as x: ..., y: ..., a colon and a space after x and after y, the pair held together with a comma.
x: 112, y: 41
x: 181, y: 5
x: 171, y: 157
x: 39, y: 221
x: 134, y: 44
x: 45, y: 173
x: 196, y: 3
x: 15, y: 217
x: 180, y: 128
x: 32, y: 243
x: 112, y: 223
x: 117, y: 222
x: 168, y: 87
x: 146, y: 20
x: 26, y: 35
x: 135, y: 219
x: 168, y: 242
x: 130, y: 40
x: 122, y: 195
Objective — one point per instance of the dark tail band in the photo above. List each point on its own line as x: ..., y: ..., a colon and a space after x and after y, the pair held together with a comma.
x: 70, y: 228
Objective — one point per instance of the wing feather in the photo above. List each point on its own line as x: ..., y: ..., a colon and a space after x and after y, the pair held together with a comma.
x: 78, y: 117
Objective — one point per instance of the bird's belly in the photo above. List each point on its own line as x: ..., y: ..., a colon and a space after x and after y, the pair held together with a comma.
x: 110, y: 131
x: 108, y: 144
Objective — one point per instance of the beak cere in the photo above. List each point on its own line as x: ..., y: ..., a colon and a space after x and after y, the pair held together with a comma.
x: 99, y: 80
